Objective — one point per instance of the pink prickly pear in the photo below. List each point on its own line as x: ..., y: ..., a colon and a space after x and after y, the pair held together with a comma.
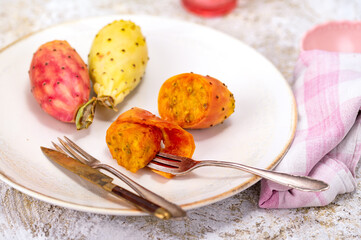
x: 60, y: 83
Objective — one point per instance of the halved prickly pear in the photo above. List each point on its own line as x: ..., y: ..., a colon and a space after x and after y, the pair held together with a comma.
x: 60, y: 83
x: 117, y: 61
x: 194, y: 101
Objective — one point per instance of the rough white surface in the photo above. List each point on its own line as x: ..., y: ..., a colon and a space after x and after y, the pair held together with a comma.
x: 274, y: 28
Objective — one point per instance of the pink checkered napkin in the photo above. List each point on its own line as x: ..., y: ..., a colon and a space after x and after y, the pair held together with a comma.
x: 327, y: 144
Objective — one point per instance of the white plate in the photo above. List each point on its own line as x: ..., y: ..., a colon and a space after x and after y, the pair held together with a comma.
x: 258, y: 133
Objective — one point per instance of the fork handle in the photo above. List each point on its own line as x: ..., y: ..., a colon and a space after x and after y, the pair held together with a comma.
x: 174, y: 209
x: 303, y: 183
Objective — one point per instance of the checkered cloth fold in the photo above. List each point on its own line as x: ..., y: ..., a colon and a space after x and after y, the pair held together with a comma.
x: 327, y: 144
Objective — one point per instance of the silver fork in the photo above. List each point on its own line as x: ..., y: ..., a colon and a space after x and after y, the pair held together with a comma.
x: 177, y: 165
x: 89, y: 160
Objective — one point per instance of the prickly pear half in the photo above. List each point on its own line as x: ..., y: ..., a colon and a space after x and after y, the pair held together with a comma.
x: 117, y: 61
x: 60, y: 83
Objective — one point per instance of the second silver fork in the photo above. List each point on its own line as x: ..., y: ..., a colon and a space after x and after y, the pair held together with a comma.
x: 86, y: 158
x: 181, y: 165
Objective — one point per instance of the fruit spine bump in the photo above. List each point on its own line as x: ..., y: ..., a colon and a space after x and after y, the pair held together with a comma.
x: 60, y: 83
x: 117, y: 61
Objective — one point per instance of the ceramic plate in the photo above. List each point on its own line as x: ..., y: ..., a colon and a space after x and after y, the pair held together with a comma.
x: 258, y: 133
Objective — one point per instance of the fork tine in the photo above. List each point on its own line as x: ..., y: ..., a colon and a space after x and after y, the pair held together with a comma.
x: 79, y: 149
x: 167, y: 162
x: 162, y: 168
x: 173, y: 157
x: 72, y: 152
x: 57, y: 147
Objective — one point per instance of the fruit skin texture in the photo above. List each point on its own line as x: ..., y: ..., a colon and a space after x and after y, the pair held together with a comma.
x: 133, y: 145
x: 59, y: 80
x: 194, y: 101
x: 117, y: 61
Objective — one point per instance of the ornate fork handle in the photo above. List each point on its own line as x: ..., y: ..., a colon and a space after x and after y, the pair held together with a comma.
x: 175, y: 210
x: 303, y: 183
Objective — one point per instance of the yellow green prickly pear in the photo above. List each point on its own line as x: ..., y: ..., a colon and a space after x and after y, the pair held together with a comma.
x: 117, y: 61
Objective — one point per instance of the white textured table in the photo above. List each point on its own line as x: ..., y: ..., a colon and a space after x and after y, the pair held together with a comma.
x: 274, y: 28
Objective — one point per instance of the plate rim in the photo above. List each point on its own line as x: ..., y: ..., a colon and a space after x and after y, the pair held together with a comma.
x: 133, y: 211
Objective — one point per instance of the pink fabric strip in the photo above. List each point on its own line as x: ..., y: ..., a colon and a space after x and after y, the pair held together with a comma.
x: 327, y: 143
